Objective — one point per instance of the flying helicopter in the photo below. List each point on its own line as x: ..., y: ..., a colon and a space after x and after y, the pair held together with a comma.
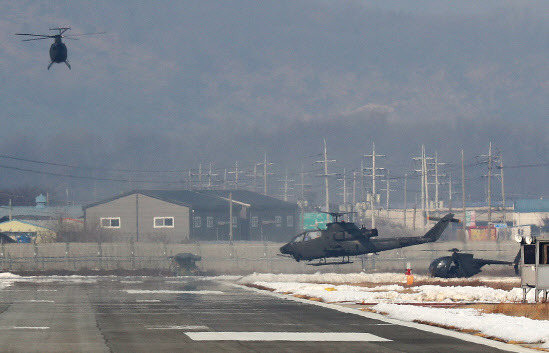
x: 461, y: 265
x: 58, y: 50
x: 345, y: 239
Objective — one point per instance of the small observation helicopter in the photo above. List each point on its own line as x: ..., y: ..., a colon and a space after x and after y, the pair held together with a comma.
x: 58, y: 50
x: 460, y: 265
x: 345, y: 239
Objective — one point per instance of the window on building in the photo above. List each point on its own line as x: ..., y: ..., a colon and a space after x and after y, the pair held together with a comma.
x: 110, y: 222
x: 290, y: 221
x: 278, y: 221
x: 529, y: 254
x: 255, y: 221
x: 197, y: 222
x: 163, y: 222
x: 209, y: 222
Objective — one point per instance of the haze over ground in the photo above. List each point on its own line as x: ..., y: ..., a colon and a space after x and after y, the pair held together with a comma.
x: 173, y: 84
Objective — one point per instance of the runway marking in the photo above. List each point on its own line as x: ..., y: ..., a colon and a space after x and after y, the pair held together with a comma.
x: 34, y: 301
x: 148, y: 300
x: 174, y: 327
x: 165, y: 291
x: 25, y: 328
x: 131, y: 282
x: 286, y: 336
x: 30, y: 290
x: 422, y: 327
x: 176, y: 282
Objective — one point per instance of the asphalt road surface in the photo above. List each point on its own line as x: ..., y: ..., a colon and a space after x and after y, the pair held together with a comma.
x: 121, y: 314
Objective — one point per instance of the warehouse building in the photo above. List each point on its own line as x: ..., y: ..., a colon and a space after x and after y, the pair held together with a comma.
x: 531, y: 212
x: 179, y: 216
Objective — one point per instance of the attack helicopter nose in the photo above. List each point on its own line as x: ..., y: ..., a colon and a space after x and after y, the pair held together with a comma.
x: 284, y: 249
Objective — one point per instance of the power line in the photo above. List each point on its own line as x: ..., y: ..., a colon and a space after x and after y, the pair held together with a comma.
x: 527, y: 165
x: 88, y: 168
x: 84, y: 177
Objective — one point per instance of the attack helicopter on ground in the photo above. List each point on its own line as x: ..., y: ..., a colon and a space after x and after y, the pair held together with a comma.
x: 58, y: 50
x: 462, y: 265
x: 345, y: 239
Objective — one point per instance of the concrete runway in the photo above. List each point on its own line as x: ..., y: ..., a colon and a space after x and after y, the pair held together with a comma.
x: 118, y: 314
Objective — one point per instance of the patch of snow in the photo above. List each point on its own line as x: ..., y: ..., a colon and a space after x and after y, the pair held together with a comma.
x: 394, y: 293
x: 8, y: 275
x: 362, y: 277
x: 508, y: 328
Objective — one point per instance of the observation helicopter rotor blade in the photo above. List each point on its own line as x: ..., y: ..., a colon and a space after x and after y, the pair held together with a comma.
x: 28, y: 40
x: 84, y: 34
x: 34, y: 35
x: 40, y: 36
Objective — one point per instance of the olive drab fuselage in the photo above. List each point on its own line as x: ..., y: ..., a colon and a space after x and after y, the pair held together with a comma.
x: 346, y: 239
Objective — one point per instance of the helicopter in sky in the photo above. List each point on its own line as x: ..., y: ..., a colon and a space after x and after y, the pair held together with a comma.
x: 58, y: 50
x: 461, y: 265
x: 345, y: 239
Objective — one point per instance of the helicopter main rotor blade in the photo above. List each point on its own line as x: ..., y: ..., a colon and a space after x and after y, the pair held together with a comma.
x: 84, y: 34
x: 71, y: 38
x: 28, y: 40
x: 34, y: 35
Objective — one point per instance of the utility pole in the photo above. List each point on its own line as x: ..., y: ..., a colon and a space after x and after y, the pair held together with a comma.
x: 489, y: 196
x: 424, y: 185
x: 374, y: 175
x: 210, y: 175
x: 450, y: 193
x: 326, y: 175
x: 190, y: 179
x: 463, y: 192
x: 426, y: 181
x: 490, y: 185
x: 387, y: 190
x: 236, y: 173
x: 265, y: 164
x: 354, y: 189
x: 285, y: 181
x: 302, y: 185
x: 405, y: 197
x: 200, y: 174
x: 344, y: 179
x: 231, y: 217
x: 502, y: 188
x: 354, y: 197
x: 362, y: 188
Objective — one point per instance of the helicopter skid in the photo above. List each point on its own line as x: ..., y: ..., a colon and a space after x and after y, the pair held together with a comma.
x: 331, y: 263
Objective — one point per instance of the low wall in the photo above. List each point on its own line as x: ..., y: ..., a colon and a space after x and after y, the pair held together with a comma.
x: 235, y: 258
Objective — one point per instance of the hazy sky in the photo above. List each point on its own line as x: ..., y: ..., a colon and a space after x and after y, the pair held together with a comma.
x: 173, y: 84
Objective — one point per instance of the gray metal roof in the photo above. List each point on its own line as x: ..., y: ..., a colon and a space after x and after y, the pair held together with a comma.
x: 207, y: 199
x: 253, y: 198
